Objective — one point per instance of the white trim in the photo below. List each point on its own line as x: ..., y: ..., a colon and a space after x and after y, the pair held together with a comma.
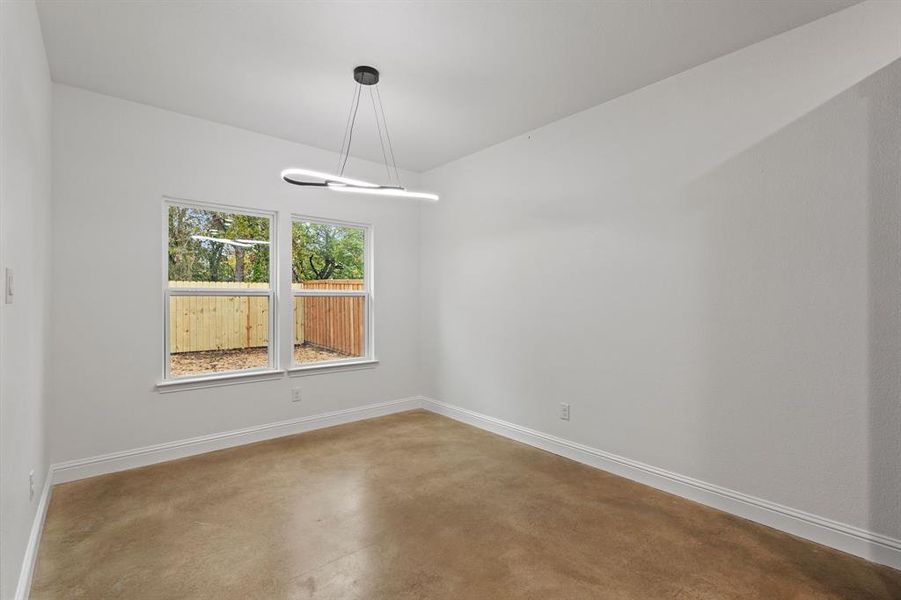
x: 148, y: 455
x: 218, y: 379
x: 329, y: 221
x: 331, y: 367
x: 218, y: 206
x: 26, y: 573
x: 847, y: 538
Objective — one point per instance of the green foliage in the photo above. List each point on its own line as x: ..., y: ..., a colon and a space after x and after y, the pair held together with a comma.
x: 191, y: 259
x: 322, y: 251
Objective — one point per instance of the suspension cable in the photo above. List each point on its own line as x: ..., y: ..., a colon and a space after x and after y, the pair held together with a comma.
x: 388, y: 135
x: 350, y: 110
x: 350, y: 136
x: 375, y: 113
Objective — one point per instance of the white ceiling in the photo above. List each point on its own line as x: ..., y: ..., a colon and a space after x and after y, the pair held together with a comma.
x: 456, y: 76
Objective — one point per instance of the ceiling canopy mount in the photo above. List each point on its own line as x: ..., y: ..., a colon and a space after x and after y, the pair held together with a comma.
x: 364, y: 76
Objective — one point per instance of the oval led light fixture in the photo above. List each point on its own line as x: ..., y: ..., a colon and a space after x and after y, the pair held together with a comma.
x: 297, y: 177
x: 369, y: 77
x: 383, y: 191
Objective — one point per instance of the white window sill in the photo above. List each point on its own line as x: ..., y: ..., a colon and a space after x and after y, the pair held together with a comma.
x: 207, y: 381
x: 193, y: 383
x: 321, y: 368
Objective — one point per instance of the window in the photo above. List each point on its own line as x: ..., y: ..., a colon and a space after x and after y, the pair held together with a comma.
x: 221, y: 317
x: 331, y: 284
x: 218, y: 294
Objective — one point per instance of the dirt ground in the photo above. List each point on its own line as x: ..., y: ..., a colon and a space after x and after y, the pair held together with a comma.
x: 217, y: 361
x: 304, y: 353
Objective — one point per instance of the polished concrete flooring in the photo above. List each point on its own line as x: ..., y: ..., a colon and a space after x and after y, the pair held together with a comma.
x: 415, y: 506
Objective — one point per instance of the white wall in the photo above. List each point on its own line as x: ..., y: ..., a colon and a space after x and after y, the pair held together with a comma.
x: 706, y: 269
x: 113, y: 163
x: 25, y: 247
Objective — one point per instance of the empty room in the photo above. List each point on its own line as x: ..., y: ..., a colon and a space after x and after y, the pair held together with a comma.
x: 450, y: 300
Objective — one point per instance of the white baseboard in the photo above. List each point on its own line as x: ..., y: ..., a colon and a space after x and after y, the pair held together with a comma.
x: 847, y: 538
x: 854, y: 540
x: 23, y: 589
x: 148, y: 455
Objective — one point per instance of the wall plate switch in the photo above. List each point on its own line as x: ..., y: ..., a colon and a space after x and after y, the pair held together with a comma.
x: 296, y: 395
x: 31, y: 485
x: 564, y: 411
x: 10, y: 290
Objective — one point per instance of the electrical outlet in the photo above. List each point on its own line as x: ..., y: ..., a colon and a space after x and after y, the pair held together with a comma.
x: 296, y: 395
x: 31, y: 485
x: 564, y: 411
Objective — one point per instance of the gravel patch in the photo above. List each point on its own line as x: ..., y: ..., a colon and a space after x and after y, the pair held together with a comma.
x: 217, y: 361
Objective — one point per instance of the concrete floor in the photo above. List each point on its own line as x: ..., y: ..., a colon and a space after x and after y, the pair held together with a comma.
x: 415, y: 506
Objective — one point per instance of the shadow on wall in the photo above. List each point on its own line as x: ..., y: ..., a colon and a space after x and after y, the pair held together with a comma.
x: 774, y: 244
x: 799, y: 280
x: 883, y: 95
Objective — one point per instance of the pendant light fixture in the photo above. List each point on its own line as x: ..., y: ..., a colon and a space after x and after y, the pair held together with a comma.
x: 366, y: 77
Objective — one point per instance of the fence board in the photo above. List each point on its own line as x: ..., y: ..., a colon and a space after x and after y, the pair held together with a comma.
x: 199, y: 323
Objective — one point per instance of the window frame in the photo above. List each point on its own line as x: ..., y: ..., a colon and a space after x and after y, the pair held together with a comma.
x: 272, y: 366
x: 367, y: 293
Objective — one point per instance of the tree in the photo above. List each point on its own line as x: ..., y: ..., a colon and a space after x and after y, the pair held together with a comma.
x: 192, y: 259
x: 325, y: 251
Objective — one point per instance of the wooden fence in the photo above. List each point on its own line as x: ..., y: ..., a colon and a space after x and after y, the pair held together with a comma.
x: 199, y: 323
x: 334, y: 323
